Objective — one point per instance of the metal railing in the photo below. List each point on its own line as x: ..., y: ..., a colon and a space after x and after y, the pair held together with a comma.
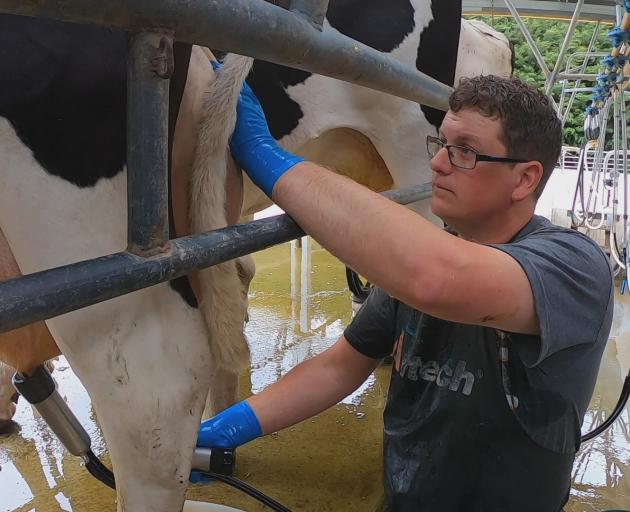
x: 290, y: 37
x: 570, y: 157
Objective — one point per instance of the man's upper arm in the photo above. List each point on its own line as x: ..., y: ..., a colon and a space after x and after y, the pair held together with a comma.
x: 572, y: 286
x: 556, y: 284
x: 487, y: 287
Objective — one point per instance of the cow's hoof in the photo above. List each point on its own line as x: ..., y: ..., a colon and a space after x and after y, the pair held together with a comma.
x: 8, y: 427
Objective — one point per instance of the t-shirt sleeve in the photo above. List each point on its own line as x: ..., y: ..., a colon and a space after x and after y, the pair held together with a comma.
x: 372, y: 330
x: 572, y: 285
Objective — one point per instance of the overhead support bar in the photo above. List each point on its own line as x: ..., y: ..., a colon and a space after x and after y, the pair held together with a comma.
x: 551, y: 79
x: 53, y: 292
x: 254, y: 28
x: 528, y: 37
x: 149, y: 66
x: 314, y: 10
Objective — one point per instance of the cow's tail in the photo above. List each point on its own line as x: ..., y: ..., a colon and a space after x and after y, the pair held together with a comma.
x: 224, y: 286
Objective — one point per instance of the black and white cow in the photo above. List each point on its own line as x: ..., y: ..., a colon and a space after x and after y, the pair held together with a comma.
x: 375, y: 138
x: 148, y: 359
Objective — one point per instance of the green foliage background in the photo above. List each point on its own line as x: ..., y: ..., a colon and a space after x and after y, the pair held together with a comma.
x: 549, y: 35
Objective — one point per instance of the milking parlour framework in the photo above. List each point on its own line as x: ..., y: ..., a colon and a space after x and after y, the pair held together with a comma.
x: 240, y: 26
x: 248, y: 27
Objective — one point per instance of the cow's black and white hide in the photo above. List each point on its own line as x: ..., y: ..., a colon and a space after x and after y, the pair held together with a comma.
x: 147, y: 359
x: 377, y: 139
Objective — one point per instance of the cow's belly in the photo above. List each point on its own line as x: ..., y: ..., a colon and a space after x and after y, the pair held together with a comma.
x: 482, y: 51
x: 374, y: 138
x: 395, y: 127
x: 143, y: 357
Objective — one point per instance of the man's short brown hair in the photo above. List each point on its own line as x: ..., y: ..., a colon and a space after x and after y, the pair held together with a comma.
x: 531, y: 128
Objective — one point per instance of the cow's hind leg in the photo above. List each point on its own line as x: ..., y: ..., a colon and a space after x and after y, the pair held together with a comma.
x: 145, y: 362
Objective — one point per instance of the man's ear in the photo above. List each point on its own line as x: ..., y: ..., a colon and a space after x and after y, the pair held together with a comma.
x: 527, y: 176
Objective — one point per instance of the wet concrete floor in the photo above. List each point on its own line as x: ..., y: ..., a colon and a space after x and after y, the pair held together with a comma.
x: 329, y: 463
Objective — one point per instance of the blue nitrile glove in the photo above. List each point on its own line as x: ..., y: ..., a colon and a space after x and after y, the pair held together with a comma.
x: 231, y: 428
x: 253, y: 146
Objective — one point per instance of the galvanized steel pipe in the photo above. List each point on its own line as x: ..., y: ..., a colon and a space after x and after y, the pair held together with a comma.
x: 314, y: 10
x: 250, y: 27
x: 551, y: 78
x: 149, y: 66
x: 53, y: 292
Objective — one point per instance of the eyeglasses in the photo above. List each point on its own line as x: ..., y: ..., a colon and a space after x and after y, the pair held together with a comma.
x: 463, y: 157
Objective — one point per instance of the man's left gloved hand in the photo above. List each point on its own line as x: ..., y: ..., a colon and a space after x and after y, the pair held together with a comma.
x: 254, y: 148
x: 231, y: 428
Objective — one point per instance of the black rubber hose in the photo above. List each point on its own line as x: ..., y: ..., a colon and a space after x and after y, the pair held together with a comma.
x: 579, y: 187
x: 357, y: 288
x: 623, y: 398
x: 249, y: 490
x: 99, y: 471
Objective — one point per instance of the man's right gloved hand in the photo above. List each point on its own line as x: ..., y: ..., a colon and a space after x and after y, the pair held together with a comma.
x: 230, y: 428
x: 253, y: 146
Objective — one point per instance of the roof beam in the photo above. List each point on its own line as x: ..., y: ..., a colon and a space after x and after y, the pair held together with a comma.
x: 593, y: 10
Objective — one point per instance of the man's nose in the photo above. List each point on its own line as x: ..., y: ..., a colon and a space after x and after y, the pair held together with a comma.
x: 440, y: 163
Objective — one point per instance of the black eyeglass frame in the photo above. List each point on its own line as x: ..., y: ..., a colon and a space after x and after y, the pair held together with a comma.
x: 478, y: 156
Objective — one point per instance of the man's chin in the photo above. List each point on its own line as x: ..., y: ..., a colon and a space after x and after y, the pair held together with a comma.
x: 438, y: 209
x: 443, y: 214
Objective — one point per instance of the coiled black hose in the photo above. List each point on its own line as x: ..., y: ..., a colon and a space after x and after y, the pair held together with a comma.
x: 621, y: 403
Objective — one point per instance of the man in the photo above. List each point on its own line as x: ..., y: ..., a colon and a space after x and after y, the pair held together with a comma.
x: 497, y: 332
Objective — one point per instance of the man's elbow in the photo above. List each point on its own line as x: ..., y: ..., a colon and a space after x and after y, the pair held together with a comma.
x: 424, y: 287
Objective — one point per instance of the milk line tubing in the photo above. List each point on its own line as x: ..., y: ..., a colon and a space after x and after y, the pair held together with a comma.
x: 603, y: 190
x: 293, y: 37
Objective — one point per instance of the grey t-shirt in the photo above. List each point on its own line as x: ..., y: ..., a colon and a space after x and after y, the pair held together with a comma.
x: 479, y: 419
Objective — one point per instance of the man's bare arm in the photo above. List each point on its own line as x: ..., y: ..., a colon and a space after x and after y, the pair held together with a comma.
x: 414, y: 260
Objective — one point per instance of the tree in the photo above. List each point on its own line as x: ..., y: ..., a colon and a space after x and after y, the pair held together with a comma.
x: 549, y: 35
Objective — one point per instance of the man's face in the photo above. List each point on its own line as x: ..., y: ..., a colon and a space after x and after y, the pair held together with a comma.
x: 471, y: 195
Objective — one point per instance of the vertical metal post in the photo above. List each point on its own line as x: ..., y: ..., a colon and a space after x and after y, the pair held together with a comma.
x: 551, y: 79
x: 313, y: 10
x: 150, y: 65
x: 624, y: 148
x: 619, y: 12
x: 305, y: 285
x: 528, y: 37
x: 614, y: 173
x: 581, y: 70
